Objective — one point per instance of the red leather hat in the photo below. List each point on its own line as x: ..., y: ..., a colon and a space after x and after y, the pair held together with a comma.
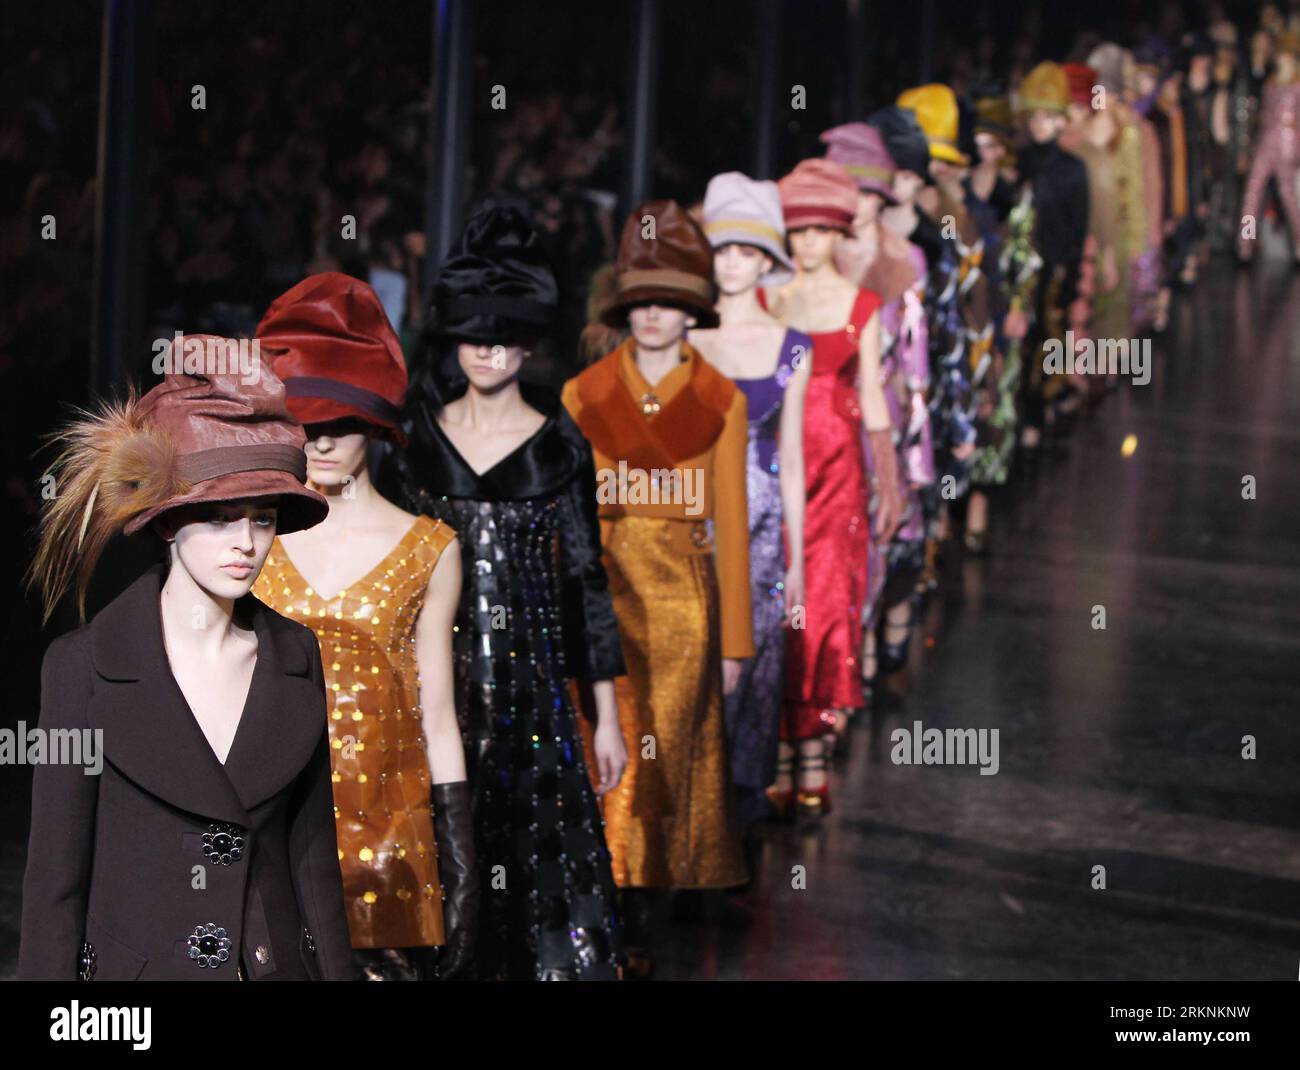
x: 329, y: 340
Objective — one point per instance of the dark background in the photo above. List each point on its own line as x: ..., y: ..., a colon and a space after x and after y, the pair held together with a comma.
x: 319, y: 109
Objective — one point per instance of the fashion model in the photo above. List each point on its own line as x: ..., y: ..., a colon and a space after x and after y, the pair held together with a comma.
x: 844, y: 398
x: 669, y: 435
x: 501, y: 461
x: 379, y: 587
x: 204, y: 849
x: 771, y: 364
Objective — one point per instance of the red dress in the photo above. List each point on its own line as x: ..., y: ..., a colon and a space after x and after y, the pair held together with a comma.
x: 822, y: 671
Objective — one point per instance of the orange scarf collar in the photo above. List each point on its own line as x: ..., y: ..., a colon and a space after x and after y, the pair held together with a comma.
x: 686, y: 426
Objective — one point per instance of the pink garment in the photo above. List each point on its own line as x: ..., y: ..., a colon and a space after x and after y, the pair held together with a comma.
x: 1277, y: 156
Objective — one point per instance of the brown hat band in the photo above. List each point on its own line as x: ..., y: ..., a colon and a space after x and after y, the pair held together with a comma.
x: 667, y: 279
x: 223, y: 460
x: 358, y: 397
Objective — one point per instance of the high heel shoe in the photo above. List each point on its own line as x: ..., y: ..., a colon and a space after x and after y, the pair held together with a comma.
x: 814, y: 802
x: 781, y: 800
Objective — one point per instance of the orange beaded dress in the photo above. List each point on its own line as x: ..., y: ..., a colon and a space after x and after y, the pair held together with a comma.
x: 382, y: 812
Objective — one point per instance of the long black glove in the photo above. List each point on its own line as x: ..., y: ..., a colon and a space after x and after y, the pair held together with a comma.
x: 453, y: 829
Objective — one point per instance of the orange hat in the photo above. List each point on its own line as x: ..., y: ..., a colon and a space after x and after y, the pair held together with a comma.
x: 935, y: 108
x: 818, y: 193
x: 330, y: 342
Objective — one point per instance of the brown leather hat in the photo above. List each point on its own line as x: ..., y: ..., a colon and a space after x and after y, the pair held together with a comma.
x: 664, y: 258
x: 229, y: 440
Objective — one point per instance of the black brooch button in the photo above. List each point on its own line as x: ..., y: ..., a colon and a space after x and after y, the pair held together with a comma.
x: 86, y: 961
x: 209, y: 945
x: 223, y: 843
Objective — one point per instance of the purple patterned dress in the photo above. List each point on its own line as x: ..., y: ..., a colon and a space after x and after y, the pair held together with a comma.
x: 753, y: 709
x: 905, y: 377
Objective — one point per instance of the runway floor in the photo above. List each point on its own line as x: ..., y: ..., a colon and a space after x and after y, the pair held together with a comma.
x: 1120, y: 748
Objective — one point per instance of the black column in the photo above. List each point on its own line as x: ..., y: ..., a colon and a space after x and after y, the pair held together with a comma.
x: 926, y: 37
x: 126, y: 71
x: 855, y: 96
x: 767, y: 84
x: 451, y: 83
x: 642, y: 93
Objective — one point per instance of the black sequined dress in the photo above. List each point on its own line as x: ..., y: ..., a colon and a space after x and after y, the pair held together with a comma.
x: 534, y: 612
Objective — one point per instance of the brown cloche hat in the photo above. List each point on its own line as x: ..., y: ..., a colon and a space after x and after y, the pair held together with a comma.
x: 227, y: 440
x: 673, y: 267
x: 330, y: 343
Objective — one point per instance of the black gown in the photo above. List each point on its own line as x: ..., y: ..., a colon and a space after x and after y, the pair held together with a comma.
x: 534, y: 612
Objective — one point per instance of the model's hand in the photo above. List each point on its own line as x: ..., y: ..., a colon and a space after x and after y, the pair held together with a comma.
x: 1015, y: 326
x: 889, y: 513
x: 964, y: 451
x: 453, y: 831
x: 611, y: 755
x: 730, y: 674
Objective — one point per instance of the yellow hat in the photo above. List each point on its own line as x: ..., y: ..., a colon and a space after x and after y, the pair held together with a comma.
x: 935, y: 108
x: 1045, y: 88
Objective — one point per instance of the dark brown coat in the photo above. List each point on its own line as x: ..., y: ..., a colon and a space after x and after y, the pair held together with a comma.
x: 112, y: 858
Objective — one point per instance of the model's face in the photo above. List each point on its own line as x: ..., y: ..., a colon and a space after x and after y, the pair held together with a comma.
x: 223, y: 545
x: 1146, y: 82
x: 737, y: 268
x: 659, y: 326
x: 869, y: 205
x: 336, y: 453
x: 1286, y: 66
x: 490, y: 367
x: 945, y: 173
x: 907, y: 184
x: 1045, y: 126
x: 990, y: 149
x: 813, y: 246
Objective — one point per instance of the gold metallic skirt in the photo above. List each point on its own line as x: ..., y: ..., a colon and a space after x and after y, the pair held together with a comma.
x: 669, y: 824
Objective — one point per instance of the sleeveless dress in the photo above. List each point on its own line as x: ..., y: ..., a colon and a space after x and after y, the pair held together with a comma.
x: 382, y: 812
x: 822, y: 670
x: 753, y: 709
x: 534, y: 612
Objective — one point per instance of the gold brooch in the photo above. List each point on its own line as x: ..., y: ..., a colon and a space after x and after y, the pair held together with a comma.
x: 650, y: 405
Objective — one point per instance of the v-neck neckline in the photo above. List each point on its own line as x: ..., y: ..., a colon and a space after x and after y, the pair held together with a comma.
x: 258, y: 659
x: 360, y: 580
x: 446, y: 438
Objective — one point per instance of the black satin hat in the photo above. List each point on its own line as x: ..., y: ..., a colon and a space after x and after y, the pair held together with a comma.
x: 496, y: 285
x: 904, y: 139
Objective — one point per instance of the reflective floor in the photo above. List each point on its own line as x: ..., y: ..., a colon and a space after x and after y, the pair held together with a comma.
x: 1118, y: 748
